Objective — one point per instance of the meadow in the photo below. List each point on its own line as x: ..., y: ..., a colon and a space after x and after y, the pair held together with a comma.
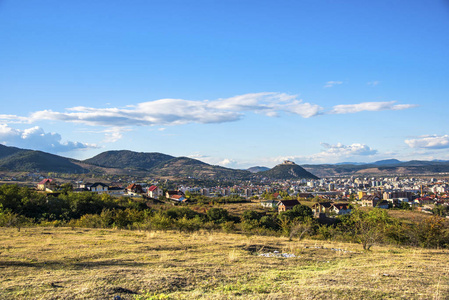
x: 81, y: 263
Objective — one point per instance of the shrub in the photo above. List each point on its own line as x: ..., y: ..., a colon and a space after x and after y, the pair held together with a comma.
x: 218, y: 215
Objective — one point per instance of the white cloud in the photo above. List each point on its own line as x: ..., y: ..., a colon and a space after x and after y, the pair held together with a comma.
x: 179, y: 111
x: 368, y: 106
x: 36, y: 138
x: 429, y: 142
x: 226, y: 162
x: 332, y: 154
x: 114, y: 134
x: 373, y: 83
x: 330, y: 84
x: 165, y: 112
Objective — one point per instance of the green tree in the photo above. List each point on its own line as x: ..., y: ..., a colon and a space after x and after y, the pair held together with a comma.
x: 218, y: 215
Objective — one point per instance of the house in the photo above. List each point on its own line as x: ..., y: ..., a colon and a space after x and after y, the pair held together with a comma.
x: 330, y: 208
x: 155, y: 192
x: 98, y: 187
x: 424, y: 200
x: 284, y: 205
x: 178, y: 198
x: 48, y: 185
x: 116, y: 190
x: 370, y: 200
x: 135, y: 188
x: 340, y: 208
x: 169, y: 194
x: 321, y: 208
x: 269, y: 203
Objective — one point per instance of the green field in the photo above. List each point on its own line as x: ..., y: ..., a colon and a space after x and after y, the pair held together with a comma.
x: 65, y: 263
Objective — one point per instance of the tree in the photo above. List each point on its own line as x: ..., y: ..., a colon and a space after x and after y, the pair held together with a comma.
x: 250, y: 215
x: 369, y: 227
x: 218, y: 215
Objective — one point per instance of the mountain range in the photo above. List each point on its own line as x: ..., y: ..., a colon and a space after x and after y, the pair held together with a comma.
x: 142, y: 163
x: 163, y: 165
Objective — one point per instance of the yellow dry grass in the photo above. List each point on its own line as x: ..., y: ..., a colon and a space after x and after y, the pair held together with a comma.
x: 64, y: 263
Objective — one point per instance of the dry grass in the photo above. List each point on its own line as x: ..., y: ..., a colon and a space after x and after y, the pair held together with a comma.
x: 61, y: 263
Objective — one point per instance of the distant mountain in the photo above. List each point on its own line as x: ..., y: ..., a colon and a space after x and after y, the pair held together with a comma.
x: 380, y: 168
x: 257, y: 169
x: 29, y: 160
x: 350, y: 163
x: 386, y: 162
x: 288, y: 170
x: 163, y: 165
x: 188, y: 167
x: 125, y: 159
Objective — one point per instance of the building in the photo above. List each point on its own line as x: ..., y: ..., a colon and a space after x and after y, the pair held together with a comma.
x: 155, y: 192
x: 284, y: 205
x: 48, y: 185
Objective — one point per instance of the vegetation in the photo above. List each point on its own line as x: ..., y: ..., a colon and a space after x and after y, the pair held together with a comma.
x: 65, y: 263
x: 125, y: 159
x: 22, y: 206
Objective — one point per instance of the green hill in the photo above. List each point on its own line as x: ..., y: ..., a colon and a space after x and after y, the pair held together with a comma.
x: 188, y: 167
x: 29, y: 160
x: 125, y: 159
x: 6, y: 151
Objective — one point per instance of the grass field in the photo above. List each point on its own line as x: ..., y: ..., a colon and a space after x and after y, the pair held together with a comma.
x: 65, y: 263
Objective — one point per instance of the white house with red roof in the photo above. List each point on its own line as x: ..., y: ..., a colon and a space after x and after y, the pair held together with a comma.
x: 154, y: 192
x: 48, y: 185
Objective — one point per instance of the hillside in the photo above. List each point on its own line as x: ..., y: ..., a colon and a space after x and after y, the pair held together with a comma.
x: 257, y: 169
x: 381, y: 168
x: 6, y: 151
x: 28, y: 160
x: 125, y: 159
x: 288, y: 170
x: 188, y: 167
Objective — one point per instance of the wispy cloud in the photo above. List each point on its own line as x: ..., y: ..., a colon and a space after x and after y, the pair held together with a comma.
x: 373, y: 83
x: 333, y: 153
x: 37, y: 138
x: 164, y: 112
x: 429, y: 142
x: 369, y: 106
x: 330, y: 84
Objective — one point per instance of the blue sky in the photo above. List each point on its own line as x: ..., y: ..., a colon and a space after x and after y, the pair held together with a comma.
x: 234, y: 83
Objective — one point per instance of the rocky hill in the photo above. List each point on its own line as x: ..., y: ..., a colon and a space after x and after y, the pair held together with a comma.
x: 287, y: 170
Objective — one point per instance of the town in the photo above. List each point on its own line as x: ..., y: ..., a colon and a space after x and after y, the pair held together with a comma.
x: 331, y: 196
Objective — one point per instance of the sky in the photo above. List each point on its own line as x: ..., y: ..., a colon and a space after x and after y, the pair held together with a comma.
x: 232, y: 83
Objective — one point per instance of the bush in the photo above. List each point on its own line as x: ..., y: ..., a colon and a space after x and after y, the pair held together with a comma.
x: 188, y: 225
x: 218, y: 215
x: 250, y: 215
x: 88, y: 221
x: 160, y: 222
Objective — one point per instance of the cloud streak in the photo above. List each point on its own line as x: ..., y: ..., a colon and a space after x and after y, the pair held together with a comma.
x: 37, y: 138
x: 369, y: 106
x: 165, y: 112
x: 429, y: 142
x: 330, y: 84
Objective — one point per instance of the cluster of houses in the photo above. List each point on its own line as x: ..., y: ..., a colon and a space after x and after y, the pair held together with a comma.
x: 319, y: 209
x: 132, y: 190
x: 331, y: 195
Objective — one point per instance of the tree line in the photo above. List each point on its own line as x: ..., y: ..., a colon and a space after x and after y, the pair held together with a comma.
x: 22, y: 206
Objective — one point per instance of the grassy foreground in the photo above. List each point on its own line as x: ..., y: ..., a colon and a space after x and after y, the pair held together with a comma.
x: 65, y: 263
